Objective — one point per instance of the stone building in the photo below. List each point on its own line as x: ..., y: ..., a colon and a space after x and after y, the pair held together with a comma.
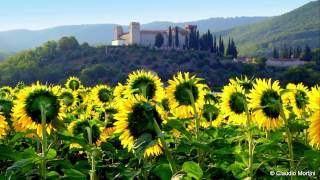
x: 147, y: 37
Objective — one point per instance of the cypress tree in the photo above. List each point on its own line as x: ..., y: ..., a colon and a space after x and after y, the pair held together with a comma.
x: 170, y: 37
x: 214, y: 50
x: 159, y: 40
x: 186, y: 41
x: 221, y: 47
x: 177, y: 37
x: 234, y: 51
x: 275, y: 53
x: 307, y: 54
x: 229, y: 50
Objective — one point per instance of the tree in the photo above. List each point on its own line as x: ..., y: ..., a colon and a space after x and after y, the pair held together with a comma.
x: 316, y: 57
x: 197, y: 41
x: 307, y: 54
x: 229, y: 51
x: 297, y: 52
x: 170, y: 37
x: 285, y: 52
x: 186, y: 42
x: 275, y: 53
x: 177, y: 37
x: 234, y: 51
x: 68, y: 43
x: 221, y: 47
x: 159, y: 40
x: 214, y: 50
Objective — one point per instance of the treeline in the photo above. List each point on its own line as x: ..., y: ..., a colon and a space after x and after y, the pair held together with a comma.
x: 204, y: 42
x: 297, y: 52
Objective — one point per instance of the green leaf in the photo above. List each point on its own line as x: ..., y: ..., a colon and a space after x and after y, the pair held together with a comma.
x: 52, y: 153
x: 163, y: 171
x: 176, y: 124
x: 52, y: 175
x: 192, y: 169
x: 73, y: 174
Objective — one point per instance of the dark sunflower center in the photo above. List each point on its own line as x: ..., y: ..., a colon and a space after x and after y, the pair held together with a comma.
x: 145, y: 86
x: 238, y: 103
x: 80, y: 128
x: 301, y: 99
x: 210, y: 97
x: 210, y: 112
x: 5, y: 108
x: 271, y: 103
x: 67, y: 98
x: 74, y: 84
x: 165, y: 104
x: 45, y: 99
x: 182, y: 93
x: 105, y: 95
x: 141, y: 119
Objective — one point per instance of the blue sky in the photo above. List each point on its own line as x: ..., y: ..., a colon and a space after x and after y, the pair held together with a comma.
x: 38, y: 14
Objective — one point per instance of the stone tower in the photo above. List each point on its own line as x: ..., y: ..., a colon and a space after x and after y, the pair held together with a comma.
x: 118, y: 31
x: 134, y: 33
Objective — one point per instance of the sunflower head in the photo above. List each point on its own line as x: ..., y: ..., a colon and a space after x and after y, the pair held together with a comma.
x: 6, y: 92
x: 68, y: 99
x: 234, y: 103
x: 266, y: 102
x: 4, y: 127
x: 29, y: 105
x: 297, y: 97
x: 6, y: 108
x: 73, y: 83
x: 244, y: 82
x: 119, y: 90
x: 135, y: 121
x: 144, y: 83
x: 314, y: 98
x: 102, y: 94
x: 184, y: 91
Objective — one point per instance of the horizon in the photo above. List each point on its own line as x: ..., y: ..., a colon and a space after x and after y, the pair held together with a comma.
x: 44, y: 15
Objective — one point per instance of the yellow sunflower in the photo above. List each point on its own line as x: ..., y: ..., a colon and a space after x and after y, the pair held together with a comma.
x: 73, y: 83
x: 297, y: 97
x: 6, y: 92
x: 266, y: 104
x: 314, y: 128
x: 180, y: 91
x: 3, y: 126
x: 144, y: 83
x: 234, y: 103
x: 244, y: 82
x: 26, y: 112
x: 68, y: 100
x: 118, y: 91
x: 135, y: 119
x: 101, y: 94
x: 78, y: 127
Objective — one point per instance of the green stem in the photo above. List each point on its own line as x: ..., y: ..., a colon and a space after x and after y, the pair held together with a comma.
x: 196, y: 118
x: 43, y: 166
x: 172, y: 163
x: 250, y: 143
x: 91, y: 155
x: 290, y: 147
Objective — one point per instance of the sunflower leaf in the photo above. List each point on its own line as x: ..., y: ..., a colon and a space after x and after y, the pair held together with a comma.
x: 176, y: 124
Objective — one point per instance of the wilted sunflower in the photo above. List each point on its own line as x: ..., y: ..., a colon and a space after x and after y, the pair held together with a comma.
x: 101, y: 94
x: 266, y: 104
x: 134, y: 119
x: 6, y: 92
x: 73, y: 83
x: 145, y: 83
x: 3, y: 126
x: 314, y: 129
x: 297, y: 97
x: 244, y: 82
x: 180, y: 91
x: 26, y: 113
x: 68, y: 100
x: 234, y: 103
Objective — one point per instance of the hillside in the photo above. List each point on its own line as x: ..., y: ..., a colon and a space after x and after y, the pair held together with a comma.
x: 298, y: 27
x: 17, y: 40
x: 53, y: 62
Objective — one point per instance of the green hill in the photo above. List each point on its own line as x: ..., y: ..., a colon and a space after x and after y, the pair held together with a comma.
x: 54, y: 62
x: 298, y: 27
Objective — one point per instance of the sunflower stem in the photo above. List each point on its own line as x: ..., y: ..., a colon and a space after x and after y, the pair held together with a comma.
x: 197, y: 123
x: 290, y: 147
x: 43, y: 166
x: 250, y: 142
x: 91, y: 154
x: 170, y: 158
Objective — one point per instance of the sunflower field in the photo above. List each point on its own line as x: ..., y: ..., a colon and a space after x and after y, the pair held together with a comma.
x: 148, y: 129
